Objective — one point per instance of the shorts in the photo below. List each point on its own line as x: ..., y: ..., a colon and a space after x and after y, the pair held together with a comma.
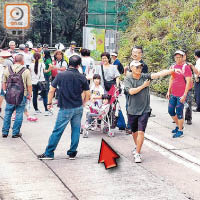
x: 138, y: 122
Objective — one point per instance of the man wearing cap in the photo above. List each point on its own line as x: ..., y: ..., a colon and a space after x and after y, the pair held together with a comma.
x: 71, y: 51
x: 116, y: 61
x: 28, y: 57
x: 179, y: 86
x: 6, y: 62
x: 137, y: 86
x: 45, y: 47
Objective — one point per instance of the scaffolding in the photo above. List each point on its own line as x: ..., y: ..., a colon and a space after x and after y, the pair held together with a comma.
x: 103, y: 14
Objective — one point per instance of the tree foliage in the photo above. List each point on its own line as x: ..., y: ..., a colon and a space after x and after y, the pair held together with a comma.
x: 161, y: 27
x: 68, y: 20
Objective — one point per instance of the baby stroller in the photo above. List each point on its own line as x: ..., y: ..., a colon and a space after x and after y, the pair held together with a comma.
x: 114, y: 93
x: 107, y: 116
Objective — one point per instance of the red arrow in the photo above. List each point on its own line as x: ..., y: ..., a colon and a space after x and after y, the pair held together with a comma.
x: 107, y: 155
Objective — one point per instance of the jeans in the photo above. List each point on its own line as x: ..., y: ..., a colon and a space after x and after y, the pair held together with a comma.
x: 18, y: 118
x: 35, y: 96
x: 73, y: 115
x: 197, y: 94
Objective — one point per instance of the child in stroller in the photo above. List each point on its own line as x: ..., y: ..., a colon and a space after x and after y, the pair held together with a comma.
x: 98, y: 113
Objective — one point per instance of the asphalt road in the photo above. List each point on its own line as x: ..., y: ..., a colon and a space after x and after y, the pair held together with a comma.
x: 170, y: 167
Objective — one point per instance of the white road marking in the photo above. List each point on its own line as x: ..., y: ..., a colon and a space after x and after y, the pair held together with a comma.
x: 172, y: 157
x: 173, y: 149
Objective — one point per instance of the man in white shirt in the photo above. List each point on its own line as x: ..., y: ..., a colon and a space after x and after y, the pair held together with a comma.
x: 197, y: 80
x: 28, y: 57
x: 71, y: 51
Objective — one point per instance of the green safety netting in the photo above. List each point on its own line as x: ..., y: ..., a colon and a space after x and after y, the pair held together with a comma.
x: 103, y: 13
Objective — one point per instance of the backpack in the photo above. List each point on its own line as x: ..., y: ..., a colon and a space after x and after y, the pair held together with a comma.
x: 15, y: 87
x: 120, y: 68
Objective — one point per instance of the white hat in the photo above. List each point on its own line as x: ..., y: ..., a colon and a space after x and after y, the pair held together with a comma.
x: 114, y: 54
x: 135, y: 63
x: 179, y: 52
x: 5, y: 53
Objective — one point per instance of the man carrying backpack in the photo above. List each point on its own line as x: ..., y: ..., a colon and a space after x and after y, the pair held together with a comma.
x: 17, y: 87
x: 116, y: 61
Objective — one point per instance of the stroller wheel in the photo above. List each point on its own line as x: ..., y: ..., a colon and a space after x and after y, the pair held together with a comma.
x: 110, y: 134
x: 105, y: 129
x: 85, y: 134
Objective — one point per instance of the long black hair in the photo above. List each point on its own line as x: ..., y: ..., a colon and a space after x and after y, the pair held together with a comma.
x: 47, y: 55
x: 37, y: 57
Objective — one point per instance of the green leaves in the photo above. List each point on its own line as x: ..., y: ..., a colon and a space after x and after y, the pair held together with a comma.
x: 161, y: 27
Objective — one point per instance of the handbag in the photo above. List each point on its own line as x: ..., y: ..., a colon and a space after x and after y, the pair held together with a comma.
x: 107, y: 84
x: 42, y: 85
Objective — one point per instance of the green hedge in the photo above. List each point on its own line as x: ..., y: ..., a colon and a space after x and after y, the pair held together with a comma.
x: 161, y: 27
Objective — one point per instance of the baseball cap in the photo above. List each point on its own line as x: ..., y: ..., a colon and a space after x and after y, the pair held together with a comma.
x: 135, y: 63
x: 22, y: 46
x: 114, y: 54
x: 26, y: 46
x: 179, y: 52
x: 39, y: 45
x: 73, y: 43
x: 45, y: 45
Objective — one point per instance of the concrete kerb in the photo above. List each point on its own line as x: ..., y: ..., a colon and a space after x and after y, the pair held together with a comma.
x: 173, y: 150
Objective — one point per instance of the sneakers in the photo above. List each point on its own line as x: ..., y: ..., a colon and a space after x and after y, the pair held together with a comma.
x: 44, y: 157
x: 189, y: 122
x: 48, y: 113
x: 134, y: 151
x: 17, y: 135
x: 37, y: 112
x: 175, y: 130
x: 4, y: 135
x: 70, y: 157
x: 178, y: 134
x: 137, y: 158
x: 32, y: 119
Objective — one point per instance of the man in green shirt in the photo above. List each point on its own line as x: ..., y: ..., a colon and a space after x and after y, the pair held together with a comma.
x: 137, y: 86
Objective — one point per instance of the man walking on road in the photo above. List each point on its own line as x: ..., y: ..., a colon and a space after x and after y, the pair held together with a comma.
x: 71, y: 86
x: 179, y: 85
x: 17, y: 68
x: 137, y: 86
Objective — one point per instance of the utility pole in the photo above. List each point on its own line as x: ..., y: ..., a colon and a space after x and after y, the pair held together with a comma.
x: 51, y: 33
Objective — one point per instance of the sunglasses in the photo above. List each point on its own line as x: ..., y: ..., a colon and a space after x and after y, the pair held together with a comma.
x: 139, y: 67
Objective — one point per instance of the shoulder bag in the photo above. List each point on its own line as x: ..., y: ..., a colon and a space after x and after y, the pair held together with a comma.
x: 107, y: 84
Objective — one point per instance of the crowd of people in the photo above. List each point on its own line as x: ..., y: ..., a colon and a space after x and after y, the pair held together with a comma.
x: 70, y: 79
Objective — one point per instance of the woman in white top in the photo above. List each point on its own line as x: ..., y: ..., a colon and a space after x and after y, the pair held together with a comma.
x: 37, y: 74
x: 108, y: 72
